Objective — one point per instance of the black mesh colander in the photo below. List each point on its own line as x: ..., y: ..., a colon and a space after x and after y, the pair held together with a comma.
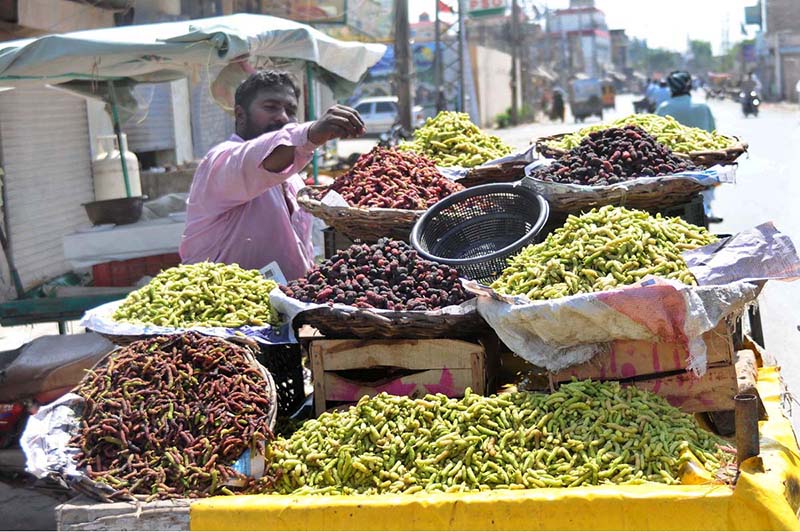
x: 475, y: 231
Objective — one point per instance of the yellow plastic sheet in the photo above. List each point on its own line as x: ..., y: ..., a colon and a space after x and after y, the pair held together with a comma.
x: 766, y: 497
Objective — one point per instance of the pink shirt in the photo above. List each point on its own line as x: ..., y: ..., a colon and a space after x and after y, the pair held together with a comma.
x: 238, y: 212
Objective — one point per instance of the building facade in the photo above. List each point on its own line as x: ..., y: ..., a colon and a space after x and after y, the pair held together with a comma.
x: 778, y: 46
x: 580, y: 38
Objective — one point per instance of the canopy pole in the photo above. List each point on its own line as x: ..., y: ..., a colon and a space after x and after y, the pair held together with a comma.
x: 311, y: 114
x: 118, y: 132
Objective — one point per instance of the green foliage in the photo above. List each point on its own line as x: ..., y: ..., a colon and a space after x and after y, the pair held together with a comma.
x: 702, y: 58
x: 503, y: 120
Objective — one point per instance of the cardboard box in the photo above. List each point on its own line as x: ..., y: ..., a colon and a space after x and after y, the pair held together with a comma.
x: 713, y: 392
x: 660, y: 367
x: 411, y: 367
x: 626, y: 359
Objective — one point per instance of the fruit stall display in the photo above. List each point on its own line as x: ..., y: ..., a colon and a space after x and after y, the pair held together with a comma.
x: 191, y: 417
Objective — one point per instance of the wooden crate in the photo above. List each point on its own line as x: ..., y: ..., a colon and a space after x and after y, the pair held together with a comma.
x: 439, y: 366
x: 660, y: 367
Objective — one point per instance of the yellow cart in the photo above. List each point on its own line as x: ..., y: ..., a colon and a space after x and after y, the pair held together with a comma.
x: 766, y: 497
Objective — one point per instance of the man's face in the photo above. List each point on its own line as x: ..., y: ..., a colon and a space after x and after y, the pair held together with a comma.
x: 270, y: 110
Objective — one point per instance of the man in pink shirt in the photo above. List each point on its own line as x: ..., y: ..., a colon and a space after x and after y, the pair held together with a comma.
x: 242, y: 206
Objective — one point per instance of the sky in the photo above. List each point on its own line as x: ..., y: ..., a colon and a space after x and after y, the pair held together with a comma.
x: 664, y: 23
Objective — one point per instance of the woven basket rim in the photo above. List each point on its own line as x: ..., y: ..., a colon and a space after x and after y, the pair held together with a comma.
x: 304, y: 197
x: 739, y: 147
x: 410, y: 324
x: 394, y: 315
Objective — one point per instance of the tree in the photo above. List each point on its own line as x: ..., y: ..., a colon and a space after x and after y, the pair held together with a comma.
x: 731, y: 62
x: 652, y: 60
x: 663, y: 61
x: 702, y: 59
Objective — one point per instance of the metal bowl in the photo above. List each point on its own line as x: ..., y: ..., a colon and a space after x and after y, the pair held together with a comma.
x: 118, y: 211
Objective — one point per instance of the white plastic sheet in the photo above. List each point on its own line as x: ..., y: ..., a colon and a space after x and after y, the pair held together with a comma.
x: 559, y: 333
x: 99, y: 320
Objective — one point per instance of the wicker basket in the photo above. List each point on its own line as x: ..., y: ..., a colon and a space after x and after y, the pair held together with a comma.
x: 646, y: 193
x: 282, y: 361
x: 363, y: 323
x: 104, y: 493
x: 358, y: 223
x: 705, y: 159
x: 495, y: 173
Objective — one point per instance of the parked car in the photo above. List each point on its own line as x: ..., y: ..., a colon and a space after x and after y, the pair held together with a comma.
x: 380, y: 114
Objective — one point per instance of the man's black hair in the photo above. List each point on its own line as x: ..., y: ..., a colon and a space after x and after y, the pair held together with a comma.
x: 264, y: 79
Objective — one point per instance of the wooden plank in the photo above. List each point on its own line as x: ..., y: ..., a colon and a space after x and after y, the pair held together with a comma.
x: 479, y: 373
x: 450, y: 382
x: 317, y: 376
x: 631, y: 358
x: 407, y: 354
x: 746, y: 371
x: 83, y: 513
x: 712, y: 392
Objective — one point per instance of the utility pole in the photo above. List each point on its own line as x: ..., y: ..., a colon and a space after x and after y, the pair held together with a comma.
x: 462, y: 41
x: 439, y: 66
x: 515, y: 33
x: 402, y: 54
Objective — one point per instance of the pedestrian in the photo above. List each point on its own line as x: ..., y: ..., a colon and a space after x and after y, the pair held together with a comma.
x: 649, y: 92
x: 242, y: 207
x: 557, y: 108
x: 662, y: 93
x: 680, y: 105
x: 681, y: 108
x: 797, y: 90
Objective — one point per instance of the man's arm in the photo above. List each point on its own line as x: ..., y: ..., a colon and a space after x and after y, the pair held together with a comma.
x: 246, y: 170
x: 233, y: 173
x: 337, y: 122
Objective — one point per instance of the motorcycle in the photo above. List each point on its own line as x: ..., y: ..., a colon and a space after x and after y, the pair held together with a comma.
x: 750, y: 103
x: 40, y: 372
x: 396, y: 135
x: 644, y: 106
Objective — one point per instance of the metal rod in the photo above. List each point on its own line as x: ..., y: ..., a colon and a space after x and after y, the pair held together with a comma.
x: 118, y: 132
x: 12, y: 268
x: 437, y: 61
x: 402, y: 54
x: 312, y: 115
x: 462, y: 40
x: 756, y: 329
x: 515, y: 34
x: 746, y: 420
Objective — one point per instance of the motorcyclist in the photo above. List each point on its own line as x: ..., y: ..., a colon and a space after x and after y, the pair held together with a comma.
x: 681, y: 107
x: 751, y: 84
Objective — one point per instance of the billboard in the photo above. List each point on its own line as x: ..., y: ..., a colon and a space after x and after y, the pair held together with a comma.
x: 308, y: 11
x: 486, y: 8
x: 752, y: 14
